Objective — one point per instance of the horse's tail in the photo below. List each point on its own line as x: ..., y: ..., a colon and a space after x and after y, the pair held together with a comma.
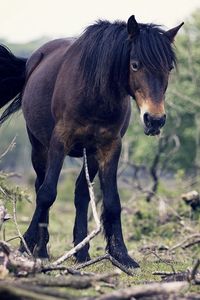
x: 12, y: 80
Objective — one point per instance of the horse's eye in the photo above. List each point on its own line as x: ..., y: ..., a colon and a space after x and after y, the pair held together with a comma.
x: 135, y: 65
x: 171, y: 67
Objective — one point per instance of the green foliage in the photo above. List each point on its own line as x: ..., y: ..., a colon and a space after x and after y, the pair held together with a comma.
x: 24, y: 50
x: 19, y: 158
x: 8, y: 191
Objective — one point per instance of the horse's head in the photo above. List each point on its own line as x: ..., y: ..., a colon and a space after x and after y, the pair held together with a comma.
x: 151, y: 60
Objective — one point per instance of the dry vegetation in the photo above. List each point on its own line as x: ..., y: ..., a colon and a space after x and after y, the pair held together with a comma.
x: 163, y: 236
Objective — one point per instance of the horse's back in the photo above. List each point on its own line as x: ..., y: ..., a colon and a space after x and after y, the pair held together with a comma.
x: 41, y: 73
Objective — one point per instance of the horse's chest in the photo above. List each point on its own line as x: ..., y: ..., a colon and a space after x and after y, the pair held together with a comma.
x: 91, y: 137
x: 95, y: 135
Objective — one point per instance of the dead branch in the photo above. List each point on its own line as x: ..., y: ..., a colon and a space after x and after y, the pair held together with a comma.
x: 65, y: 270
x: 193, y: 273
x: 17, y: 227
x: 184, y: 244
x: 14, y: 202
x: 9, y: 290
x: 163, y: 261
x: 192, y: 276
x: 191, y: 244
x: 170, y: 276
x: 91, y: 262
x: 77, y: 282
x: 9, y: 148
x: 111, y: 259
x: 86, y: 240
x: 148, y: 290
x: 18, y: 263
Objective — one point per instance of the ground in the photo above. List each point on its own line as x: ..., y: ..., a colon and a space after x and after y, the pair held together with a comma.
x: 150, y: 231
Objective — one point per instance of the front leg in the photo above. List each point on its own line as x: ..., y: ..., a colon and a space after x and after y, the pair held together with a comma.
x: 81, y: 201
x: 108, y: 157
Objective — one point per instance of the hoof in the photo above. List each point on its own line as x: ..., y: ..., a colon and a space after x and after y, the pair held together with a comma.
x: 41, y: 253
x: 126, y: 261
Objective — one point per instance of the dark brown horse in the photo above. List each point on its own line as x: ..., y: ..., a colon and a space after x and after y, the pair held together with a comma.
x: 75, y: 94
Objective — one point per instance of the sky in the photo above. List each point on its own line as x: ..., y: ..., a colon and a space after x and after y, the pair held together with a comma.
x: 25, y: 20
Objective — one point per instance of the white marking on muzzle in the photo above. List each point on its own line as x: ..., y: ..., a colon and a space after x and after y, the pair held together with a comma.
x: 142, y: 112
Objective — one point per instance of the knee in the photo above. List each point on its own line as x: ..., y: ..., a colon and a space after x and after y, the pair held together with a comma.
x: 46, y: 196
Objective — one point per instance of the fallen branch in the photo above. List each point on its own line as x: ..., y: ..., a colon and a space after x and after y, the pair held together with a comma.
x: 184, y: 244
x: 148, y: 291
x: 77, y: 282
x: 163, y: 261
x: 65, y: 270
x: 171, y: 276
x: 193, y: 273
x: 9, y: 290
x: 17, y: 227
x: 18, y: 263
x: 111, y: 259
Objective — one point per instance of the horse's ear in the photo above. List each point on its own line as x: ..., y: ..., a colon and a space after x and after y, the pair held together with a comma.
x: 132, y: 27
x: 172, y: 32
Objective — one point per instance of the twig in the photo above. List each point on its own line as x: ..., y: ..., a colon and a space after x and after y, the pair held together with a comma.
x: 66, y: 270
x: 191, y: 244
x: 120, y: 266
x: 17, y: 227
x: 181, y: 244
x: 111, y: 259
x: 10, y: 147
x: 13, y: 238
x: 90, y: 236
x: 92, y: 261
x: 164, y: 261
x: 14, y: 201
x: 194, y: 272
x: 163, y: 273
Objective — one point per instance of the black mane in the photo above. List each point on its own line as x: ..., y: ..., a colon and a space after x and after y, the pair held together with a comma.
x: 153, y: 49
x: 105, y: 55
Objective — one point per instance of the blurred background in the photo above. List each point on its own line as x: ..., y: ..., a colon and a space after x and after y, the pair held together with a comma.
x: 25, y: 25
x: 152, y: 169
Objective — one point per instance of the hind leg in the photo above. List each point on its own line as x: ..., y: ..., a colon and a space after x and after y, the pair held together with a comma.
x: 81, y: 202
x: 39, y: 161
x: 46, y: 186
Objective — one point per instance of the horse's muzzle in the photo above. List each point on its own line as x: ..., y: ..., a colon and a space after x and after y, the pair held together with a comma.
x: 153, y: 124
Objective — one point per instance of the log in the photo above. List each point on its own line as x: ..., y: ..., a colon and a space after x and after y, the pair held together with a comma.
x: 148, y: 291
x: 10, y: 291
x: 72, y: 281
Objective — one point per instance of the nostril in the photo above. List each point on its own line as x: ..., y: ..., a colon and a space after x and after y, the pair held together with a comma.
x: 162, y: 120
x: 154, y: 122
x: 147, y: 119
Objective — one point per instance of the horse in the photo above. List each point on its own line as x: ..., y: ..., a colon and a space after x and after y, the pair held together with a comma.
x: 76, y: 93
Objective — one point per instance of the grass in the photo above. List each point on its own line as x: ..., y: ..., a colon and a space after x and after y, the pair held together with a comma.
x: 148, y: 229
